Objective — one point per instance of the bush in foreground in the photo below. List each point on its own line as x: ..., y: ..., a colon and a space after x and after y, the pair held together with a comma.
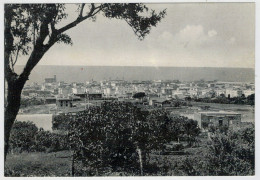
x: 25, y: 136
x: 120, y: 137
x: 231, y: 154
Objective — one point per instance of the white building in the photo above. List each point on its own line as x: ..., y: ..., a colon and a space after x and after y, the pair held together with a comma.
x: 248, y: 92
x: 231, y: 93
x: 78, y: 90
x: 65, y: 91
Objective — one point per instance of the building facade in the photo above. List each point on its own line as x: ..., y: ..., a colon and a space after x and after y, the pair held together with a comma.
x: 229, y: 119
x: 64, y: 103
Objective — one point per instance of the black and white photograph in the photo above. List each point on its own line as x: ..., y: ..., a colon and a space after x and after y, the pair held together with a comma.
x: 111, y: 89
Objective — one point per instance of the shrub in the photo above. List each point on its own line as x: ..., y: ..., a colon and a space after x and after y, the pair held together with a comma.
x: 225, y: 155
x: 22, y: 136
x: 229, y: 155
x: 46, y: 141
x: 104, y: 137
x: 25, y: 136
x: 61, y: 122
x: 115, y: 134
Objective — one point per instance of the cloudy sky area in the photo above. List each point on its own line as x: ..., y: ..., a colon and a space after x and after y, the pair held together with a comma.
x: 193, y: 35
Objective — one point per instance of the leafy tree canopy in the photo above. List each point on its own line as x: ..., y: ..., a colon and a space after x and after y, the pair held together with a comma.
x: 139, y: 95
x: 30, y: 25
x: 22, y: 135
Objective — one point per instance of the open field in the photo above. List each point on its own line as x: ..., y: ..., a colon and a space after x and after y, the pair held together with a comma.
x: 40, y: 120
x: 38, y: 109
x: 51, y: 108
x: 38, y: 164
x: 59, y: 164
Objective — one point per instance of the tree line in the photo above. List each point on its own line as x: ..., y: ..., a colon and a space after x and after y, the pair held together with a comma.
x: 222, y: 99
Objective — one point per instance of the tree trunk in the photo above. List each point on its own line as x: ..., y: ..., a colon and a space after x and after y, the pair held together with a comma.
x: 11, y: 109
x: 140, y: 161
x: 15, y: 82
x: 72, y: 164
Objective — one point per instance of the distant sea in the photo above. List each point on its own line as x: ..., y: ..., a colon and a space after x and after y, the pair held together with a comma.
x: 97, y: 73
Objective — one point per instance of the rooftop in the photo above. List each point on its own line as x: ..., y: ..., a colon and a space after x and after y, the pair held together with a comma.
x: 219, y: 112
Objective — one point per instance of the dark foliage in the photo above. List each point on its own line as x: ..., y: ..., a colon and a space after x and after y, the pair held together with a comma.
x: 61, y: 122
x: 31, y: 102
x: 46, y: 141
x: 250, y: 100
x: 139, y: 95
x: 111, y: 136
x: 25, y: 136
x: 22, y: 136
x: 227, y: 155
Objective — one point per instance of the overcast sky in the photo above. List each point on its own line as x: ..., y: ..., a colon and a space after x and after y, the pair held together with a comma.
x: 191, y: 34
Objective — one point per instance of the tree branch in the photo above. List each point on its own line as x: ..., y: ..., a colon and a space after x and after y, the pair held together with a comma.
x: 33, y: 60
x: 80, y: 18
x: 53, y: 29
x: 12, y: 62
x: 82, y: 8
x: 16, y: 58
x: 10, y: 75
x: 99, y: 9
x: 38, y: 51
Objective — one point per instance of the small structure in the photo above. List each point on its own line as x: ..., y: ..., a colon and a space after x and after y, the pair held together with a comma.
x: 95, y: 96
x: 50, y: 80
x: 50, y: 100
x: 63, y: 102
x: 221, y: 118
x: 160, y: 102
x: 156, y: 101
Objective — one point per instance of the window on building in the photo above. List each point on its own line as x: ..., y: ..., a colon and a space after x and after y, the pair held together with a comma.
x: 220, y: 122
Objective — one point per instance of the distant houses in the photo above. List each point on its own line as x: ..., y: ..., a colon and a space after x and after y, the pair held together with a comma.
x: 89, y: 96
x: 168, y: 94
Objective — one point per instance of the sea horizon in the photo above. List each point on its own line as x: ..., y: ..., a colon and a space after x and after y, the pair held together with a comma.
x: 78, y: 73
